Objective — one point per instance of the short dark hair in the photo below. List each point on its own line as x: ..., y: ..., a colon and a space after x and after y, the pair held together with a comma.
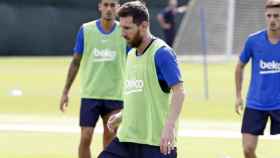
x: 272, y: 4
x: 137, y: 10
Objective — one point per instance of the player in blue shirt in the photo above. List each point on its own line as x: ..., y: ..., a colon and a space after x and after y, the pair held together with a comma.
x: 263, y: 98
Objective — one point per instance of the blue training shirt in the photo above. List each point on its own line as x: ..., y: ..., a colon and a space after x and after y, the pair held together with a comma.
x: 264, y: 90
x: 165, y: 59
x: 167, y: 67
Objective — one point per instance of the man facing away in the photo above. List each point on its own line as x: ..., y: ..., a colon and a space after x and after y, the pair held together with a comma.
x: 100, y: 53
x: 263, y: 98
x: 148, y: 122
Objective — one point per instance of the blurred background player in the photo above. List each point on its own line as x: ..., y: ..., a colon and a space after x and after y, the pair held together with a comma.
x: 167, y: 22
x: 263, y: 99
x: 101, y: 50
x: 154, y: 93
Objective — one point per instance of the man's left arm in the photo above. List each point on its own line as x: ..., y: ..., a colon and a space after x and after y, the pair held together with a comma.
x: 168, y: 71
x: 168, y: 134
x: 177, y: 99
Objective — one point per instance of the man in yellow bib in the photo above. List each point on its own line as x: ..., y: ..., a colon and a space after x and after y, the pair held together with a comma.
x: 100, y: 54
x: 154, y: 93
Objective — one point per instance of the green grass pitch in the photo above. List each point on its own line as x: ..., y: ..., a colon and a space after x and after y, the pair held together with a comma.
x: 41, y: 80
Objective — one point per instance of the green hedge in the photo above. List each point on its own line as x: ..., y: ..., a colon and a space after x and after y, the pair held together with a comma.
x: 49, y: 27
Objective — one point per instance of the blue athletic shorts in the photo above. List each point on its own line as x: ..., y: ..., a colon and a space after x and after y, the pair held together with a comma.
x: 133, y: 150
x: 254, y: 121
x: 91, y: 109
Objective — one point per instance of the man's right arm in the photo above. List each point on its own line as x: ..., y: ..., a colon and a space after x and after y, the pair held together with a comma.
x: 244, y: 57
x: 72, y: 73
x: 239, y: 71
x: 73, y: 69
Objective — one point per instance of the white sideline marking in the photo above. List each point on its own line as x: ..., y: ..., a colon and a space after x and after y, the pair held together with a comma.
x: 196, y: 129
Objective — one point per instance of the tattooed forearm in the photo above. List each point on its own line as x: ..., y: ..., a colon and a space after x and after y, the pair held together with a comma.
x: 72, y: 72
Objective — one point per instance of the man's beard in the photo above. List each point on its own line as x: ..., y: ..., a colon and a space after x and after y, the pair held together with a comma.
x: 136, y: 41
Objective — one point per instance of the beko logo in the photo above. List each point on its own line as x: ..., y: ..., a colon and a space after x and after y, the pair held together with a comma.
x: 269, y: 67
x: 103, y: 55
x: 133, y: 86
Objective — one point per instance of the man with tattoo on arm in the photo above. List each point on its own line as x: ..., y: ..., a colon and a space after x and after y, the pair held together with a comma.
x: 100, y: 53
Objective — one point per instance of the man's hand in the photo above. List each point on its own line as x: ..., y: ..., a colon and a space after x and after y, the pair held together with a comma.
x: 166, y: 26
x: 114, y: 122
x: 167, y: 139
x: 63, y: 102
x: 239, y: 105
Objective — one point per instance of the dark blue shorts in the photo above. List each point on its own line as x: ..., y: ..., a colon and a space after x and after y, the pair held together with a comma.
x: 91, y: 109
x: 133, y: 150
x: 254, y: 121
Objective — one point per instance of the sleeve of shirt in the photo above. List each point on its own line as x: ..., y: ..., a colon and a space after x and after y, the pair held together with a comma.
x: 79, y: 45
x: 128, y: 48
x: 246, y: 53
x: 167, y: 67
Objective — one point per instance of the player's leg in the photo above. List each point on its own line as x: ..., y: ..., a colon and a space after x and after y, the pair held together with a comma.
x: 250, y: 142
x: 85, y: 142
x: 89, y: 114
x: 275, y: 122
x: 116, y: 149
x: 109, y: 108
x: 154, y: 151
x: 253, y: 125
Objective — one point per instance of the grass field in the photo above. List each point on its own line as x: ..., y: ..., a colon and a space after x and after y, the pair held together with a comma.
x: 35, y: 145
x: 41, y: 80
